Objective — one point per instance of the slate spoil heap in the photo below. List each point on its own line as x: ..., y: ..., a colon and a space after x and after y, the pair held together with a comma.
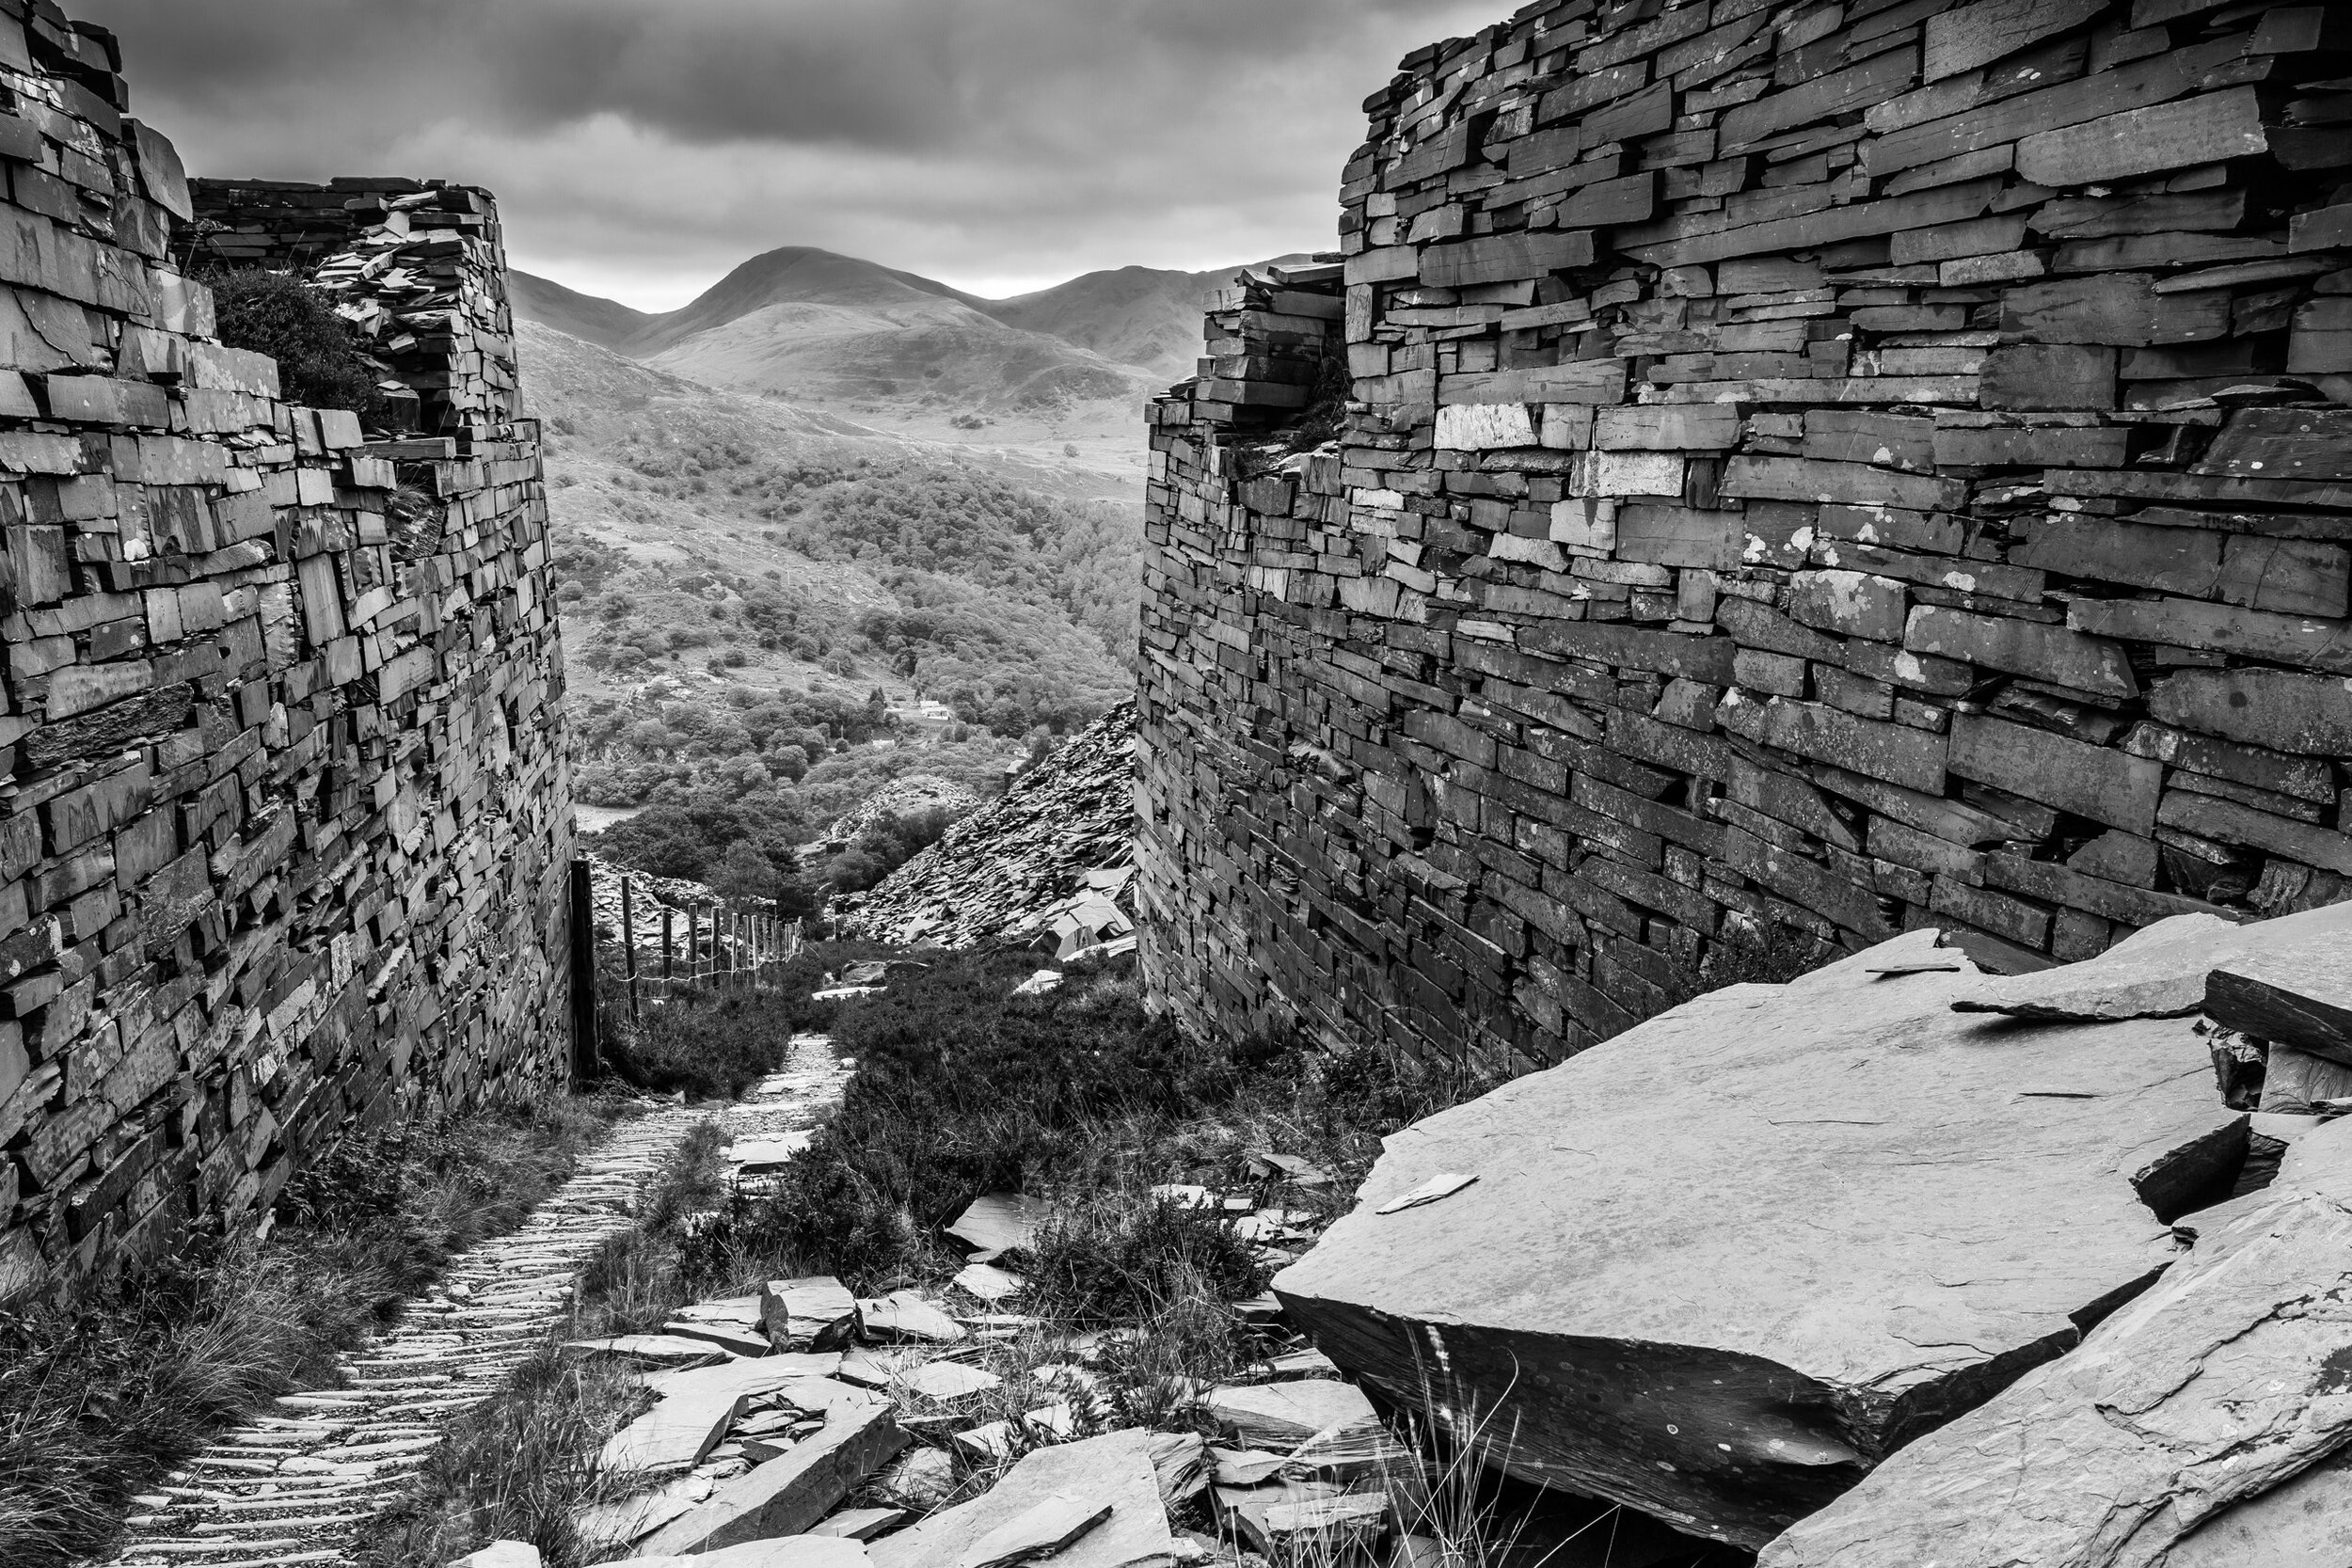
x: 1939, y: 1268
x: 803, y: 1427
x: 1009, y: 871
x: 1840, y: 467
x: 285, y: 817
x: 915, y: 793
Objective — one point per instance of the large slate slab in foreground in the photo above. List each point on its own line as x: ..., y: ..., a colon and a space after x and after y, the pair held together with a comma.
x: 1719, y: 1266
x: 2201, y: 1426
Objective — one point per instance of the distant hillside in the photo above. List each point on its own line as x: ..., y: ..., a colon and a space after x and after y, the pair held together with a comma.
x: 795, y: 275
x: 605, y: 323
x: 1135, y: 315
x: 813, y: 327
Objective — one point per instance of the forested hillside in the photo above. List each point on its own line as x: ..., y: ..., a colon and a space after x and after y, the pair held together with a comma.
x: 772, y: 613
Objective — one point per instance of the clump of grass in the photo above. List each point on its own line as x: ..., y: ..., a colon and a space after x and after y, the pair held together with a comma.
x: 1116, y: 1261
x: 718, y: 1042
x: 104, y: 1388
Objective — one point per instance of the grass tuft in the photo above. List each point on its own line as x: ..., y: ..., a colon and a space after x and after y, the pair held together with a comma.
x: 1121, y: 1259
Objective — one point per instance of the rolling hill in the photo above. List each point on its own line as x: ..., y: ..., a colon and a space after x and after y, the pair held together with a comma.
x: 1140, y: 316
x: 812, y: 327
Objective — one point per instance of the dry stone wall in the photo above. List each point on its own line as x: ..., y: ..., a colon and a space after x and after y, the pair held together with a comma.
x: 284, y: 815
x: 1836, y: 467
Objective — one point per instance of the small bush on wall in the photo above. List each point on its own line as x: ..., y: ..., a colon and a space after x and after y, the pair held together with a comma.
x: 322, y: 362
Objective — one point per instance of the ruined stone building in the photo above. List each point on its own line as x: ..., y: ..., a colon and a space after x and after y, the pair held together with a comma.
x: 1808, y: 472
x: 284, y: 815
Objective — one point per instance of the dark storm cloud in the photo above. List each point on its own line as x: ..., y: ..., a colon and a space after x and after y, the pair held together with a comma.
x: 645, y: 145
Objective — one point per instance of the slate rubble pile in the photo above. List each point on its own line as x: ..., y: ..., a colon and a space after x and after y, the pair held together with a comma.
x: 285, y: 811
x: 807, y: 1427
x: 2040, y: 1269
x: 1042, y: 861
x: 1844, y: 468
x: 916, y: 792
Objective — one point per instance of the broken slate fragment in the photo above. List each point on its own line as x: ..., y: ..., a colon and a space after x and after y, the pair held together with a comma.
x: 1332, y: 1523
x: 988, y: 1282
x: 1442, y: 1185
x: 1181, y: 1461
x: 1244, y: 1508
x: 2157, y: 973
x: 791, y: 1492
x: 2161, y: 972
x: 1351, y: 1450
x: 726, y: 1336
x: 860, y: 1523
x: 658, y: 1350
x: 998, y: 1222
x: 1114, y: 1470
x: 678, y: 1432
x: 817, y: 1312
x: 905, y: 1315
x: 2295, y: 991
x: 1246, y: 1466
x: 796, y: 1376
x: 948, y: 1379
x: 1041, y: 1530
x: 1284, y: 1414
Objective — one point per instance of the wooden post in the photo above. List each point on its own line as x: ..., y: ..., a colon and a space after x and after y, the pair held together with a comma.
x: 693, y: 945
x: 665, y: 945
x: 583, y: 966
x: 628, y: 942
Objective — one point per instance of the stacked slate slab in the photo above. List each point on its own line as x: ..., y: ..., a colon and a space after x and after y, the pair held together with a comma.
x: 284, y: 813
x: 1813, y: 472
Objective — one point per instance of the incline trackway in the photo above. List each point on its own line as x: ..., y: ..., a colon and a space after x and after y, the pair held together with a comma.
x: 295, y: 1486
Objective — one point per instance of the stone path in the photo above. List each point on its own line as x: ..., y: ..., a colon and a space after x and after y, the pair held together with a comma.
x: 293, y: 1487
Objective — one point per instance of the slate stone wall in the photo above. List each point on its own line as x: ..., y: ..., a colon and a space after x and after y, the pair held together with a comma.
x: 284, y: 813
x: 1831, y: 467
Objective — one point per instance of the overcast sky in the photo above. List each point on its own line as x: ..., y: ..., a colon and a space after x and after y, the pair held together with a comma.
x: 640, y: 149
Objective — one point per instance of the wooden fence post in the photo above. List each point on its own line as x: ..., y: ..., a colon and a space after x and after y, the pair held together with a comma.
x: 583, y: 933
x: 693, y: 946
x: 666, y: 946
x: 628, y: 942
